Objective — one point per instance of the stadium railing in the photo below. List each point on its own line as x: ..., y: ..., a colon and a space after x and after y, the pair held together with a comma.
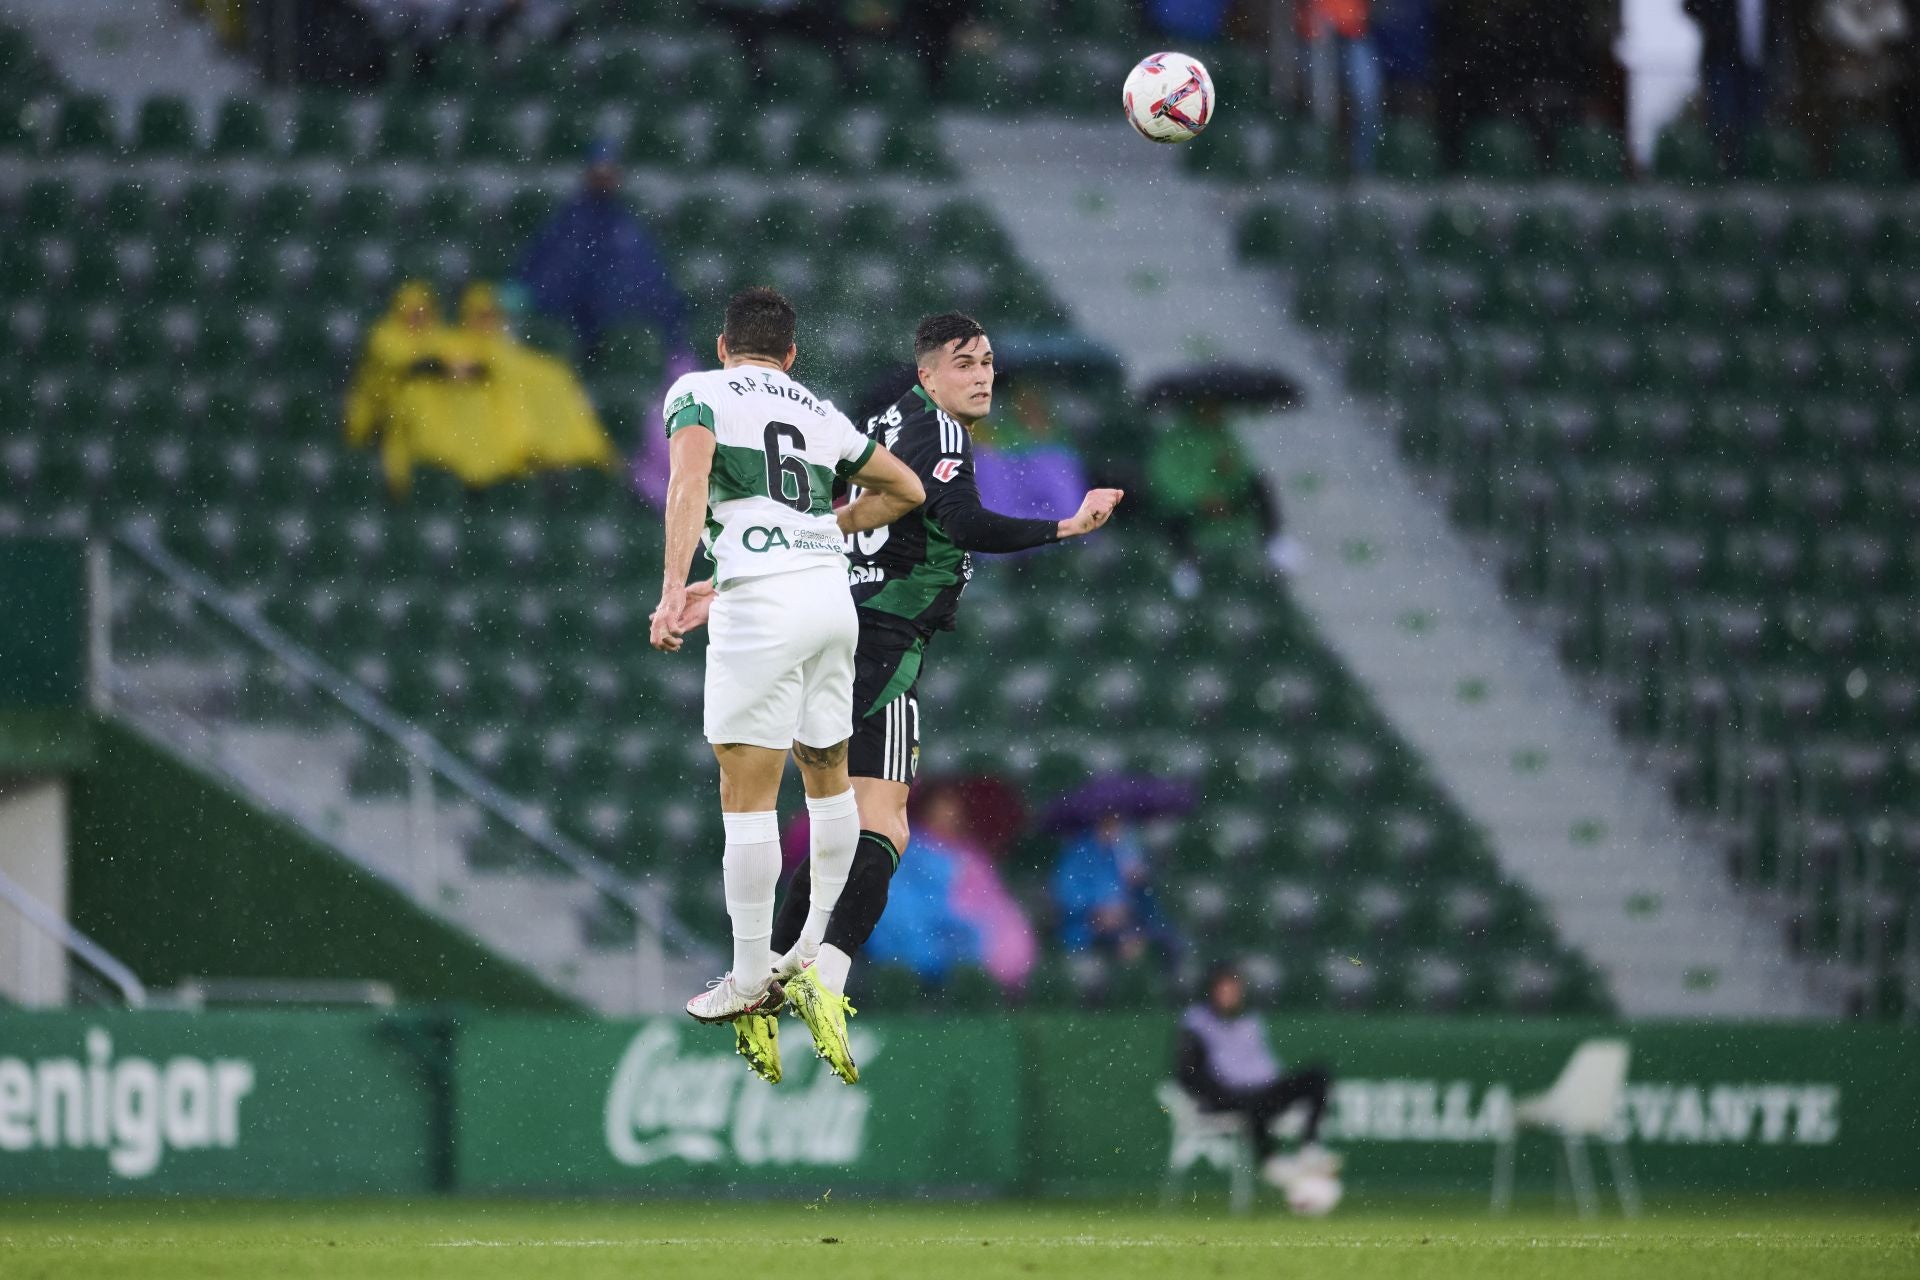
x: 204, y: 673
x: 102, y: 973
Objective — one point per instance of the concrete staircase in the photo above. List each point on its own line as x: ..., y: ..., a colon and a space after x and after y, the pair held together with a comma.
x: 1138, y: 251
x: 534, y: 910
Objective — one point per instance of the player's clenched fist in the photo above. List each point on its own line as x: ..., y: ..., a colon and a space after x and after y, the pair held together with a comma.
x: 1094, y: 510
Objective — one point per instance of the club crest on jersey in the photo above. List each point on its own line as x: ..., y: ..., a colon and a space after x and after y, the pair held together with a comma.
x: 946, y: 469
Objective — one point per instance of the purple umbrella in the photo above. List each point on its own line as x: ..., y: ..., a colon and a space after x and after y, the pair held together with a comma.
x: 1134, y: 796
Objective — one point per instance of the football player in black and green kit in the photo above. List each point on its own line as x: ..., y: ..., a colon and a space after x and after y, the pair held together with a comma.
x: 907, y: 579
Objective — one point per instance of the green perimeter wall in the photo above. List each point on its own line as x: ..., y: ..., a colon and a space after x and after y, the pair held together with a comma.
x: 181, y: 878
x: 333, y: 1103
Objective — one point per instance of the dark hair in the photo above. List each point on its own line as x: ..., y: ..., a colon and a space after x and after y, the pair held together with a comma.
x: 1218, y: 972
x: 759, y: 323
x: 936, y: 332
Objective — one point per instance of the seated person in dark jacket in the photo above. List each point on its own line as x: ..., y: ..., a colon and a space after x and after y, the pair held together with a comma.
x: 1225, y: 1064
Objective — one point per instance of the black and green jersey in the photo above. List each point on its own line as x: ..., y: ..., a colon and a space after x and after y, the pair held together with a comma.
x: 915, y: 568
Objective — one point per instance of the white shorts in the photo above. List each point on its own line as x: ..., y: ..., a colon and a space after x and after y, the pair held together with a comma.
x: 780, y: 660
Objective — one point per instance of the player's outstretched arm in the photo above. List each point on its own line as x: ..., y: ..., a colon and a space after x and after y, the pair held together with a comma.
x: 1094, y: 510
x: 691, y: 454
x: 888, y: 490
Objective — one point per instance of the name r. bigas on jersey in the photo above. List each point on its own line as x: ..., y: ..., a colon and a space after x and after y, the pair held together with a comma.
x: 785, y: 390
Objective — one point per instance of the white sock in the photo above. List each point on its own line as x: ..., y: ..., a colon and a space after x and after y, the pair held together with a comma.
x: 835, y: 824
x: 833, y: 964
x: 750, y: 870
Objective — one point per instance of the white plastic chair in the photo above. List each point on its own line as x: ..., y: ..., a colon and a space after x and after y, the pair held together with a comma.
x: 1581, y: 1104
x: 1223, y: 1139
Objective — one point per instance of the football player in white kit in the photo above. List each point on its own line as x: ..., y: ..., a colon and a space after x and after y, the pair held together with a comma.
x: 754, y: 459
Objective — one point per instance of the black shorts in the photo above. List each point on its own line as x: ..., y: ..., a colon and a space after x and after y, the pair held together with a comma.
x: 886, y: 704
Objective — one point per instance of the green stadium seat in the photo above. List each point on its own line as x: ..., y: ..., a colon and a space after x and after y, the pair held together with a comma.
x: 888, y: 80
x: 493, y: 133
x: 448, y: 211
x: 407, y: 131
x: 620, y: 74
x: 739, y: 141
x: 85, y: 124
x: 48, y: 205
x: 1777, y: 155
x: 526, y: 209
x: 283, y: 209
x: 206, y: 207
x: 1684, y: 155
x: 1501, y: 152
x: 571, y: 130
x: 546, y: 75
x: 801, y: 74
x: 1869, y: 157
x: 718, y: 75
x: 1304, y: 150
x: 242, y: 129
x: 17, y: 133
x: 911, y: 145
x: 1409, y: 152
x: 1589, y: 153
x: 1229, y: 154
x: 462, y: 67
x: 166, y: 127
x: 364, y: 210
x: 820, y: 146
x: 129, y: 208
x: 321, y: 129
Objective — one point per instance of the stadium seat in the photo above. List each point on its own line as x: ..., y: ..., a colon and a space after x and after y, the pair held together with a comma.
x: 321, y: 129
x: 166, y: 127
x: 406, y: 132
x: 1869, y: 157
x: 85, y: 124
x: 1589, y: 153
x: 1500, y: 151
x: 1409, y: 152
x: 241, y: 129
x: 1777, y: 155
x: 1684, y: 155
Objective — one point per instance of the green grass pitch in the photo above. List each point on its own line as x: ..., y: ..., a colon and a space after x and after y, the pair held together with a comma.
x: 850, y: 1240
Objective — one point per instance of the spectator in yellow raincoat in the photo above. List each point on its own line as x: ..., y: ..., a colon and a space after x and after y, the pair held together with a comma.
x: 469, y: 399
x: 538, y: 391
x: 405, y: 344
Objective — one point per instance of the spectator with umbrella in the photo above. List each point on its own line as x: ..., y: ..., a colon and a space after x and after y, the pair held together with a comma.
x: 1102, y: 885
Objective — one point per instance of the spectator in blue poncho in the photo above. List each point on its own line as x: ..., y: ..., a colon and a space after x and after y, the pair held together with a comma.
x: 1104, y: 896
x: 595, y: 266
x: 922, y: 930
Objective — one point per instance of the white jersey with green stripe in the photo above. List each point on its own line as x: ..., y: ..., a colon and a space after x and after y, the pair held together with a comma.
x: 779, y: 449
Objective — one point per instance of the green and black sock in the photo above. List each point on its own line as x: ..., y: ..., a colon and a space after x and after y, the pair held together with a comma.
x: 861, y: 903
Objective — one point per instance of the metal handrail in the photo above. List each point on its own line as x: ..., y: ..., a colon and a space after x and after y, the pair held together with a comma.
x: 50, y: 922
x: 648, y: 909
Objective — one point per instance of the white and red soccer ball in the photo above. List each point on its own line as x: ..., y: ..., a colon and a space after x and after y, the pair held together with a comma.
x: 1169, y: 97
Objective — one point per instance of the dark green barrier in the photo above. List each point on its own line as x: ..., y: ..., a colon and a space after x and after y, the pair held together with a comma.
x: 220, y: 1103
x: 43, y: 640
x: 182, y: 877
x: 342, y: 1103
x: 1418, y: 1104
x: 548, y: 1104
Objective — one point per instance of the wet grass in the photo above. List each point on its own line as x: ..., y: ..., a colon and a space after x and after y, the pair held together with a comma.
x: 838, y: 1237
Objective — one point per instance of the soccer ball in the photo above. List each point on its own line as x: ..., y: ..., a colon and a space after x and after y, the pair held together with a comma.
x: 1313, y: 1195
x: 1169, y: 97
